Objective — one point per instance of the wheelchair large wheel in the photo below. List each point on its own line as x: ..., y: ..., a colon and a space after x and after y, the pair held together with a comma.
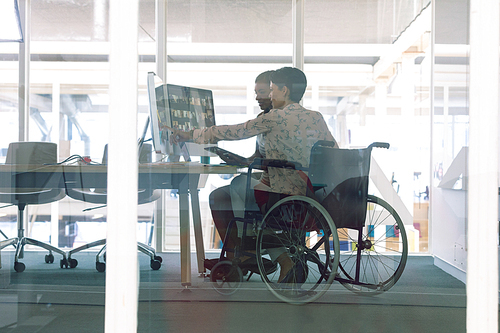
x: 374, y: 264
x: 297, y: 231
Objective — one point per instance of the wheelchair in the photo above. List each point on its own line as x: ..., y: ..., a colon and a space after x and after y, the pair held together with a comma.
x: 340, y: 232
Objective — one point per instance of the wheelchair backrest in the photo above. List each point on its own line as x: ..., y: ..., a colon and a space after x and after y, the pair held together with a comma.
x: 341, y: 179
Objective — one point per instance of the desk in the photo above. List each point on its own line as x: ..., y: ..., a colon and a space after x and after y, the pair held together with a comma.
x: 181, y: 176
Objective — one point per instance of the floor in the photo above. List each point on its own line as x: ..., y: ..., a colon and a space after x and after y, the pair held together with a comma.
x: 46, y: 298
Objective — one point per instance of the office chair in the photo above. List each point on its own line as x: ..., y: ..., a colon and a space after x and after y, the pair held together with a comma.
x: 99, y: 196
x: 31, y: 186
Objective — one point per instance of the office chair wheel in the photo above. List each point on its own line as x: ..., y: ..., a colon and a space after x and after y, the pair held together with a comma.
x: 49, y: 258
x: 226, y: 277
x: 72, y: 263
x: 64, y: 263
x: 19, y: 267
x: 100, y: 266
x: 298, y: 232
x: 155, y: 264
x: 383, y: 250
x: 158, y: 258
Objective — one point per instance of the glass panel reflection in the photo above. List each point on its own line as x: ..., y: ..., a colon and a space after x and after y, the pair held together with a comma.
x: 222, y: 46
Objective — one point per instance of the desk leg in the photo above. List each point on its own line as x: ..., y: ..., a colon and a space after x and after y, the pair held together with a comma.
x: 184, y: 233
x: 198, y: 232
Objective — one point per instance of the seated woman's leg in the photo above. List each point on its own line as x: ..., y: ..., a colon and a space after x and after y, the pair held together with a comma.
x: 222, y: 213
x: 226, y: 202
x: 265, y: 200
x: 238, y: 190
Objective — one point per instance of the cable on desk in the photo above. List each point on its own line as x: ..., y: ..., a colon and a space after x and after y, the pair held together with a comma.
x: 75, y: 159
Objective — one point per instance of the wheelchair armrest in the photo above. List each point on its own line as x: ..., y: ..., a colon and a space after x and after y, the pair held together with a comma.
x: 263, y: 164
x: 379, y: 145
x: 317, y: 187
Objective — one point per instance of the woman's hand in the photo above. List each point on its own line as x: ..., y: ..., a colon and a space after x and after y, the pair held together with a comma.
x: 179, y: 136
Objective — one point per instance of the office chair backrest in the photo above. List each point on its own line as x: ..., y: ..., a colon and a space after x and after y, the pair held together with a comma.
x: 31, y: 153
x: 146, y: 155
x: 36, y: 187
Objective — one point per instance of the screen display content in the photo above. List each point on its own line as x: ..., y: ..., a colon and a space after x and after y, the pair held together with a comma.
x: 188, y: 108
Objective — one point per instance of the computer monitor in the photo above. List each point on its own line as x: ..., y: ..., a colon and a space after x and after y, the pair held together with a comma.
x: 180, y: 107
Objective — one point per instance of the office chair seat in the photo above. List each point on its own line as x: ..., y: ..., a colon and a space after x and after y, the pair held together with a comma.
x: 36, y: 154
x: 31, y: 196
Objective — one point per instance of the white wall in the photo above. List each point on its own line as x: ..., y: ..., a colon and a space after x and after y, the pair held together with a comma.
x: 448, y: 231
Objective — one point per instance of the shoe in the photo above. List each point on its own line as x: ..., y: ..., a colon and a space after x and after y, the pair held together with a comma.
x: 251, y: 265
x: 210, y: 263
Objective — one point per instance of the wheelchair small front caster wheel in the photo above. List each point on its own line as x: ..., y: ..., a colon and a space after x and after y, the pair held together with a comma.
x: 73, y: 263
x: 158, y: 258
x: 49, y: 258
x: 226, y: 277
x: 64, y: 263
x: 155, y: 264
x: 100, y: 266
x: 19, y: 267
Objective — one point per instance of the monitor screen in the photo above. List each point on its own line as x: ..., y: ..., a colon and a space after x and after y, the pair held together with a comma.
x: 190, y: 108
x: 180, y: 107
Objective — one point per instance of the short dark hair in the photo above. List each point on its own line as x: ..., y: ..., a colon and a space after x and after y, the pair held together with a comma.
x: 264, y: 77
x: 293, y: 78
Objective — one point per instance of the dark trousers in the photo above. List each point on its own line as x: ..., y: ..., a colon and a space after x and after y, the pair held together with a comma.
x: 222, y: 213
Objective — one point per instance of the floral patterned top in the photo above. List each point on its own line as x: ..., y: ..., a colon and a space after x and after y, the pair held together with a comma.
x: 289, y: 135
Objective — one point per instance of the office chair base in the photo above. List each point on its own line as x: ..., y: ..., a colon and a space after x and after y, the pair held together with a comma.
x: 20, y: 242
x: 99, y: 242
x: 155, y: 264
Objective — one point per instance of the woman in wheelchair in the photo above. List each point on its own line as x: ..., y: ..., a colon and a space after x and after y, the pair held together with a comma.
x: 289, y: 132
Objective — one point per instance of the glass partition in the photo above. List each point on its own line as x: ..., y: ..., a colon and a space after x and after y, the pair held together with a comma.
x: 366, y: 97
x: 9, y: 101
x: 450, y: 124
x: 222, y: 46
x: 370, y: 74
